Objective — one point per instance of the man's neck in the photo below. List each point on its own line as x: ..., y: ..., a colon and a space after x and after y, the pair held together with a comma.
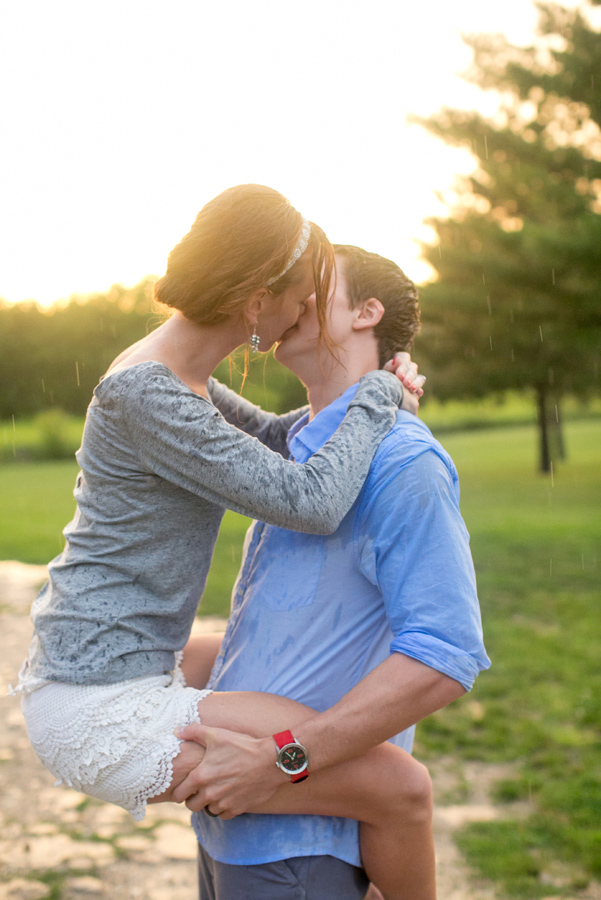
x: 325, y: 387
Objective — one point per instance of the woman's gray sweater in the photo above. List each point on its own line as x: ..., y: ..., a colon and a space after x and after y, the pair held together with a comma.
x: 159, y: 465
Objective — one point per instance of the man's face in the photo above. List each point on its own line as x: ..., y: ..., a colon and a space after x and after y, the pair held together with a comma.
x: 299, y: 346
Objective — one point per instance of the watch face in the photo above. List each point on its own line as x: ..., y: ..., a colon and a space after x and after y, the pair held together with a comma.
x: 293, y: 758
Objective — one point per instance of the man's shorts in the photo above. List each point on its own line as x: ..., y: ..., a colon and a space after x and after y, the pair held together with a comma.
x: 299, y: 878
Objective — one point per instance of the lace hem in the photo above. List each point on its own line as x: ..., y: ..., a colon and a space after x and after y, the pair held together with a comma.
x: 114, y: 742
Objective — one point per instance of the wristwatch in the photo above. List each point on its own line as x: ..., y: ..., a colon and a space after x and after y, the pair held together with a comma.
x: 293, y: 758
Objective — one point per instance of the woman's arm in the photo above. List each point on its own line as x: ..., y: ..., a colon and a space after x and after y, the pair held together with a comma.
x: 272, y: 429
x: 269, y: 428
x: 180, y: 437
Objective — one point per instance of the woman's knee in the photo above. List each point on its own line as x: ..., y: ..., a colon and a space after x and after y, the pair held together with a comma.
x: 407, y: 785
x: 416, y: 792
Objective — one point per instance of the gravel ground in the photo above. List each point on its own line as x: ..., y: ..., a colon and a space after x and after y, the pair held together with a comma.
x: 56, y: 842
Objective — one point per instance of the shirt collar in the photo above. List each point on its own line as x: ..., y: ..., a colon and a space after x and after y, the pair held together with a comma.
x: 306, y: 438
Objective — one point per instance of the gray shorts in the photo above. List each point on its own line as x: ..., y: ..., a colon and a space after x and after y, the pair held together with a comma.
x: 299, y: 878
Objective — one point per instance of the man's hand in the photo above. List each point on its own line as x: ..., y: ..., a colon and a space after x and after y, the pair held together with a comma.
x: 406, y: 371
x: 238, y: 772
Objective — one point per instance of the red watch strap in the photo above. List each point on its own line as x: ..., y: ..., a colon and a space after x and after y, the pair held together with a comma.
x: 300, y: 777
x: 283, y: 738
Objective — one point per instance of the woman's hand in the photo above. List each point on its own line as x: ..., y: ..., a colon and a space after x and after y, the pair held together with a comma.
x: 406, y: 371
x: 238, y: 772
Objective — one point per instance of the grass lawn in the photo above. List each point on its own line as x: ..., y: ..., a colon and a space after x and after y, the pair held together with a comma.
x: 535, y: 540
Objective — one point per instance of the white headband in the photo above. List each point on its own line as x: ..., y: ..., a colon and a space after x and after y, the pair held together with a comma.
x: 298, y: 251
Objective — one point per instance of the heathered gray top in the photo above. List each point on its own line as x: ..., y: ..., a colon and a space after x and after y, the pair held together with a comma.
x: 159, y: 465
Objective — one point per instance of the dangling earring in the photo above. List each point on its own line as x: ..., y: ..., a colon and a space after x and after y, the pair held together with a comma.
x: 255, y: 340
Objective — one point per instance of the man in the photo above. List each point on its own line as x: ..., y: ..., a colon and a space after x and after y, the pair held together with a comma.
x: 374, y: 626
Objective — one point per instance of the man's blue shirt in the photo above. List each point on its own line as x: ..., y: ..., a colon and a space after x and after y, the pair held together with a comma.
x: 312, y: 615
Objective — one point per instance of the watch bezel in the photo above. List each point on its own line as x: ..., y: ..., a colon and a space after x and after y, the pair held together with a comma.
x: 283, y: 749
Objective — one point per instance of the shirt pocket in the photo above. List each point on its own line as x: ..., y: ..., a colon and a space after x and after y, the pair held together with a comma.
x: 288, y: 568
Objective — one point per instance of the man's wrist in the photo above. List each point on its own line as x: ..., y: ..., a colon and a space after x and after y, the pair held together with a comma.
x: 292, y: 756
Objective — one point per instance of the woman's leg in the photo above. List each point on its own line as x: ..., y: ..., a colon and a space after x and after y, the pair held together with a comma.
x: 386, y: 790
x: 200, y: 654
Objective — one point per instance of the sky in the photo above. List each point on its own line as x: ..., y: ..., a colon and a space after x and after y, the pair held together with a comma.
x: 119, y: 120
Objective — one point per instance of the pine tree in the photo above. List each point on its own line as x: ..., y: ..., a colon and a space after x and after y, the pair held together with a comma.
x: 517, y: 301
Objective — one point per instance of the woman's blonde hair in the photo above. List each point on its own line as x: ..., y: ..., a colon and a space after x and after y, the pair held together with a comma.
x: 240, y: 240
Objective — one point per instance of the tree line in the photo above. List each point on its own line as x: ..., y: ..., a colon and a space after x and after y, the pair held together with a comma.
x: 54, y: 358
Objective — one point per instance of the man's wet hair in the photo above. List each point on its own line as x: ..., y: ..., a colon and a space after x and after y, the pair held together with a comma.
x: 369, y: 275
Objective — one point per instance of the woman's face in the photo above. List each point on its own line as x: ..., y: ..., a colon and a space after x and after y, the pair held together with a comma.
x: 281, y: 313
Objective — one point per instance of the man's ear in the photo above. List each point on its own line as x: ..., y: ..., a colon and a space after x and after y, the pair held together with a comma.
x: 254, y: 305
x: 369, y: 314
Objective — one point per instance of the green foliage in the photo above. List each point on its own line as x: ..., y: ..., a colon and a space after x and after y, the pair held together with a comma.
x: 55, y: 357
x: 517, y: 299
x: 51, y: 434
x: 53, y: 427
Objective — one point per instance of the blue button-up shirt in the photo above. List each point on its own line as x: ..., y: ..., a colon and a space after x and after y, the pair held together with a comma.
x: 312, y: 615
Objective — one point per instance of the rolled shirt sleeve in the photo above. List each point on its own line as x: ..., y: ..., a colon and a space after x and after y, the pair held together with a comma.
x: 414, y: 546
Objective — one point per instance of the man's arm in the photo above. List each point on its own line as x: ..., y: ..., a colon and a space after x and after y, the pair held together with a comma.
x: 412, y: 543
x: 395, y: 695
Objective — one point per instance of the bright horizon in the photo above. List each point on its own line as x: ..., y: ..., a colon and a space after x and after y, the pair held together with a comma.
x: 122, y: 119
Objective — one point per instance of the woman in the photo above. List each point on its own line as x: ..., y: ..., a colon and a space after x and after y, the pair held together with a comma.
x: 102, y: 688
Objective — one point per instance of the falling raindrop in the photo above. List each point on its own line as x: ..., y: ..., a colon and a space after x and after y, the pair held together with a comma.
x: 490, y: 339
x: 485, y: 146
x: 77, y: 373
x: 14, y: 426
x: 540, y: 328
x: 553, y: 275
x: 43, y: 387
x: 483, y: 278
x: 556, y: 414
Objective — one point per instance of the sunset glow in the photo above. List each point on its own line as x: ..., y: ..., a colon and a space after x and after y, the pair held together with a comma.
x: 121, y: 119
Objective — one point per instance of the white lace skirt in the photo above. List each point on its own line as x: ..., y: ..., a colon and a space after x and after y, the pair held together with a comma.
x: 114, y: 742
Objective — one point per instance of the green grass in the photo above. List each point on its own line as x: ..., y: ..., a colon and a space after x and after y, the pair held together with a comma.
x: 37, y: 502
x: 535, y: 541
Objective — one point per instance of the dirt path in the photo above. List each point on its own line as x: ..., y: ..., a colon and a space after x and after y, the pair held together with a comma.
x: 57, y: 843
